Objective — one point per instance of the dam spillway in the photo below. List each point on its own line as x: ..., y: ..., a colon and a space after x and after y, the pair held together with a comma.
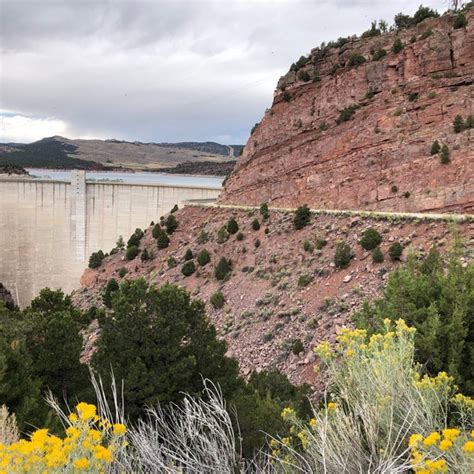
x: 49, y: 228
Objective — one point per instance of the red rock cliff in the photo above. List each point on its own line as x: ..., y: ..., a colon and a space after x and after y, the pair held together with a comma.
x: 379, y: 159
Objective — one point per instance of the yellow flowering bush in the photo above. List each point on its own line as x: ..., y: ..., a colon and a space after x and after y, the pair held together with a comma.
x: 91, y: 443
x: 384, y: 414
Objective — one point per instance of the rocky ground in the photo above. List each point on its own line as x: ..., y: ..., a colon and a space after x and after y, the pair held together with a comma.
x: 266, y: 308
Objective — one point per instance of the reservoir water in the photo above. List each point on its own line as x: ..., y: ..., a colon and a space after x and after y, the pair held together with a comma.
x: 52, y: 221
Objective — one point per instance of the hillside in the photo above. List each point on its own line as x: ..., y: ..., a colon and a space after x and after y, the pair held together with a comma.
x: 352, y: 125
x: 274, y: 295
x: 60, y: 152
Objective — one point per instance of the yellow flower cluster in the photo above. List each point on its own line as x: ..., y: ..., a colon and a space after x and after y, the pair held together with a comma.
x: 463, y: 401
x: 427, y: 452
x: 439, y: 383
x: 89, y: 445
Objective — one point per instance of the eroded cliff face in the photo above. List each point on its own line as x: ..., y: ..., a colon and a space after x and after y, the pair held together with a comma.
x: 379, y: 159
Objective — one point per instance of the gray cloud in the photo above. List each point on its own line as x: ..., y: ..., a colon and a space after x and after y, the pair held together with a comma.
x: 164, y: 71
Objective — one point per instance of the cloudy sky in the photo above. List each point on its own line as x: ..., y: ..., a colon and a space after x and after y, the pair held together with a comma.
x: 160, y: 70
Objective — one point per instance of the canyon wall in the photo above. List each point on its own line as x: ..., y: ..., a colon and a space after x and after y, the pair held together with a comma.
x: 379, y: 159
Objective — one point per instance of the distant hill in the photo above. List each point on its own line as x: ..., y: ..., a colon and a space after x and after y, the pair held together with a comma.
x: 61, y: 152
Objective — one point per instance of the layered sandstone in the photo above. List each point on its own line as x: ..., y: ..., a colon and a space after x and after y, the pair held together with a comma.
x: 380, y: 159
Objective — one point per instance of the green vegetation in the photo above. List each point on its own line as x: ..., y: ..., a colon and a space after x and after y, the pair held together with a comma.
x: 444, y: 154
x: 321, y: 243
x: 374, y: 31
x: 188, y: 255
x: 135, y: 238
x: 122, y: 272
x: 460, y: 21
x: 264, y: 212
x: 302, y: 217
x: 379, y: 54
x: 223, y: 269
x: 217, y: 300
x: 132, y: 252
x: 412, y: 96
x: 394, y: 189
x: 426, y: 34
x: 297, y: 347
x: 458, y: 124
x: 203, y: 257
x: 308, y: 247
x: 232, y: 226
x: 405, y: 21
x: 110, y: 289
x: 171, y: 224
x: 435, y: 295
x: 95, y: 259
x: 286, y: 96
x: 162, y: 240
x: 395, y: 251
x: 239, y: 236
x: 174, y: 209
x: 397, y: 46
x: 257, y: 243
x: 145, y: 255
x: 347, y: 113
x: 435, y: 148
x: 370, y: 239
x: 343, y: 255
x: 222, y: 235
x: 304, y: 280
x: 156, y: 231
x: 377, y: 255
x: 203, y: 237
x: 255, y: 224
x: 172, y: 262
x: 356, y: 60
x: 304, y: 76
x: 188, y: 268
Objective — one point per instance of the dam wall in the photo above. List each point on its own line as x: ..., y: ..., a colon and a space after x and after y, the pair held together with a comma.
x: 50, y: 228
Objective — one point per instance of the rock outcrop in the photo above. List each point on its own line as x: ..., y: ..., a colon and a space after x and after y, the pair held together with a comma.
x: 303, y: 151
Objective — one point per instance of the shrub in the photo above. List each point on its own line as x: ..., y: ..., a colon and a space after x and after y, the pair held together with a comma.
x: 397, y: 46
x: 203, y: 257
x: 304, y: 280
x: 96, y: 259
x: 394, y: 189
x: 321, y: 243
x: 346, y: 113
x: 156, y: 231
x: 188, y: 268
x: 458, y: 124
x: 145, y: 255
x: 433, y: 293
x: 132, y: 252
x: 460, y: 21
x: 412, y: 96
x: 222, y: 235
x: 343, y: 255
x: 172, y: 262
x: 135, y: 238
x: 267, y: 231
x: 356, y: 60
x: 379, y: 54
x: 257, y: 243
x: 377, y: 255
x: 264, y: 211
x: 334, y: 69
x: 203, y: 237
x: 435, y: 148
x: 217, y: 300
x: 297, y: 347
x: 426, y: 34
x: 444, y: 154
x: 171, y: 224
x: 255, y: 224
x: 370, y: 239
x: 302, y: 217
x: 423, y: 13
x: 406, y: 194
x: 395, y: 251
x: 374, y: 31
x: 223, y: 269
x: 122, y: 272
x: 403, y: 21
x: 232, y: 226
x: 163, y: 240
x: 307, y: 247
x: 239, y: 236
x: 110, y: 289
x: 120, y: 244
x: 286, y: 96
x: 254, y: 129
x: 304, y: 76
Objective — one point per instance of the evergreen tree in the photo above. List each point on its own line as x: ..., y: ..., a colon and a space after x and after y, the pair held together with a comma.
x: 444, y: 155
x: 302, y: 217
x: 435, y: 148
x: 171, y: 224
x: 142, y: 341
x: 156, y: 231
x: 232, y: 226
x: 255, y: 224
x: 120, y: 244
x: 343, y: 255
x: 188, y: 255
x: 458, y: 124
x: 188, y: 268
x: 110, y: 289
x: 370, y: 239
x: 162, y: 240
x: 203, y: 257
x: 265, y: 213
x: 223, y: 269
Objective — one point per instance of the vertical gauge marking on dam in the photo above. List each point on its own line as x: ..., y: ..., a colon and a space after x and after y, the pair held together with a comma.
x: 50, y: 227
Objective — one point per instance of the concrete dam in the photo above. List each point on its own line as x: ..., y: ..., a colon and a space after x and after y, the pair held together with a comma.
x: 49, y: 228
